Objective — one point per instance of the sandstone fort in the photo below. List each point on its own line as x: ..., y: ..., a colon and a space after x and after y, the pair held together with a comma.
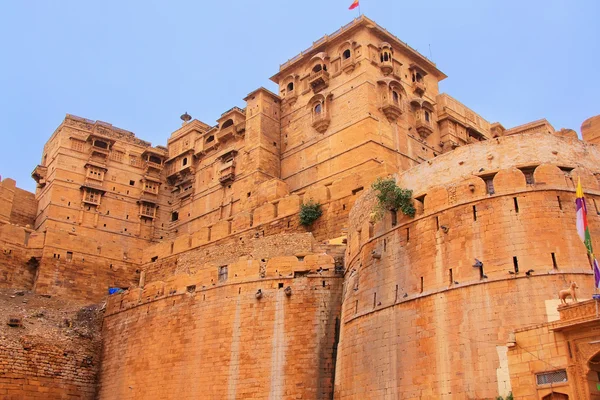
x: 222, y: 292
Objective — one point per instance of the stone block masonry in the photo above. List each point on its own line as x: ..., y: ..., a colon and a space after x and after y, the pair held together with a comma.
x: 224, y: 341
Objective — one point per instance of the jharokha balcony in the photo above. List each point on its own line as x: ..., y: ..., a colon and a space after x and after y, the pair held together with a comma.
x: 321, y: 122
x: 392, y: 110
x: 318, y: 80
x: 227, y: 173
x: 39, y: 175
x: 419, y: 88
x: 424, y: 128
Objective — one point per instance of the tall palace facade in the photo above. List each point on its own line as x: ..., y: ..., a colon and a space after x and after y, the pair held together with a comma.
x: 227, y: 296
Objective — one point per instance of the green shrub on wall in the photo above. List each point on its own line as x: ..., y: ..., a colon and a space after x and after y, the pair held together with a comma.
x: 310, y: 212
x: 390, y: 197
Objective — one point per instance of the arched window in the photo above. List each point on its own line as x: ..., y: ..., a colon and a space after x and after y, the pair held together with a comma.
x: 426, y: 115
x: 395, y: 96
x: 346, y: 54
x: 317, y: 68
x: 318, y: 108
x: 185, y: 161
x: 386, y: 57
x: 290, y: 87
x: 227, y: 124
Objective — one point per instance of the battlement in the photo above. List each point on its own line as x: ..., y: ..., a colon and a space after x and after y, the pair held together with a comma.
x: 266, y: 274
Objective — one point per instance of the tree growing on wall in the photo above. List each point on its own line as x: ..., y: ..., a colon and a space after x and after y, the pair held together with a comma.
x: 310, y: 212
x: 392, y: 198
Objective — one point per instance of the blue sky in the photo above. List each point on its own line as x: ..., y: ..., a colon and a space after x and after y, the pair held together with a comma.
x: 141, y: 64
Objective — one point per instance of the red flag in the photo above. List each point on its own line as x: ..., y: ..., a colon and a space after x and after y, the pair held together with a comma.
x: 353, y: 5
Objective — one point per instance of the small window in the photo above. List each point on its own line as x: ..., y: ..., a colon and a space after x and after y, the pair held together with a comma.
x: 290, y: 87
x: 395, y: 96
x: 318, y: 108
x: 223, y: 273
x: 227, y: 124
x: 174, y: 216
x: 551, y: 377
x: 185, y: 161
x: 209, y: 139
x: 155, y: 159
x: 346, y: 55
x: 427, y: 116
x: 528, y: 172
x: 317, y: 68
x: 69, y: 255
x: 489, y: 183
x: 131, y: 183
x: 386, y: 57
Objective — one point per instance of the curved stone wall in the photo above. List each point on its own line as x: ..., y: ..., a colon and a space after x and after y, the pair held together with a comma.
x: 418, y: 319
x: 208, y: 339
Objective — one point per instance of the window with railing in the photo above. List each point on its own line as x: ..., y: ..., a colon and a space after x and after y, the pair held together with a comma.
x: 551, y: 377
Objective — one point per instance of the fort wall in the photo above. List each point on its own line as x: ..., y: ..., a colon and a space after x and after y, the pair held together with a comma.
x: 414, y: 286
x: 208, y: 335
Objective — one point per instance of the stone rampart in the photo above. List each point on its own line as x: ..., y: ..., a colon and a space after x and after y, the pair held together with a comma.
x: 438, y: 323
x: 250, y: 329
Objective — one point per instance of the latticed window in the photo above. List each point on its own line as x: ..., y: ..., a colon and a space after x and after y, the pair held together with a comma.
x: 551, y: 377
x: 148, y: 210
x: 95, y: 173
x: 117, y: 156
x: 92, y: 196
x: 134, y: 160
x: 77, y: 145
x: 151, y: 187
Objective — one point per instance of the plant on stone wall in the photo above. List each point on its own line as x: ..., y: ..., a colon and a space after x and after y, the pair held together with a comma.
x: 508, y: 397
x: 310, y: 212
x: 392, y: 198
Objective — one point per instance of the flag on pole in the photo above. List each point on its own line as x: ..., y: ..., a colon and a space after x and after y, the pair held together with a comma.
x: 584, y: 231
x: 582, y: 225
x: 353, y: 5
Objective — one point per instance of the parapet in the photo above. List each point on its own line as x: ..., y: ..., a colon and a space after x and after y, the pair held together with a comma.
x: 590, y: 130
x: 262, y: 273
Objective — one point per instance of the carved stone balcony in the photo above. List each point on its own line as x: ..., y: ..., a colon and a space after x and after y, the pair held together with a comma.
x: 424, y: 128
x: 348, y: 65
x: 153, y: 167
x: 227, y: 173
x: 93, y: 184
x: 321, y: 122
x: 419, y: 88
x: 226, y: 134
x: 148, y: 213
x: 149, y: 197
x: 392, y: 110
x: 318, y: 80
x: 39, y: 175
x: 386, y: 67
